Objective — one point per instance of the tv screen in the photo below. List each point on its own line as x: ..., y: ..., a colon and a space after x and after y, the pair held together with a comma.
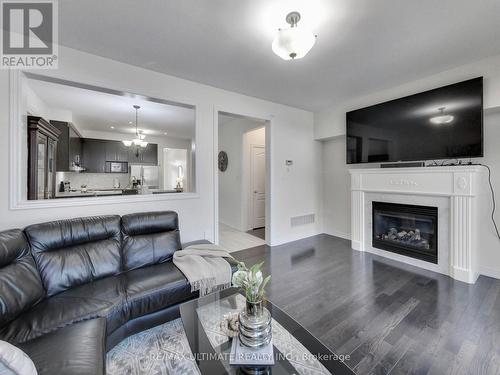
x: 444, y: 123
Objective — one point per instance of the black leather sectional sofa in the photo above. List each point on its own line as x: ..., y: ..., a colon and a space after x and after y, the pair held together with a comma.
x: 70, y: 290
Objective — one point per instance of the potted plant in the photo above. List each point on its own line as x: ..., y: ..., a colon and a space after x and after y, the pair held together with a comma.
x: 252, y: 282
x: 255, y: 321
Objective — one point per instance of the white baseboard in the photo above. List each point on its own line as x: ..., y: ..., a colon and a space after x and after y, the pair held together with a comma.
x: 345, y: 236
x: 488, y: 271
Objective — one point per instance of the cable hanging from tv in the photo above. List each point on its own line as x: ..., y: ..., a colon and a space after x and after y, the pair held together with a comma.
x: 492, y: 198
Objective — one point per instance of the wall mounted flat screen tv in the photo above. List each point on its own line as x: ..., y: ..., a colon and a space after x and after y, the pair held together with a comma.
x: 444, y: 123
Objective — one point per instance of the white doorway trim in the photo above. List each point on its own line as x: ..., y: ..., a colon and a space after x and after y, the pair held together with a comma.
x: 267, y: 125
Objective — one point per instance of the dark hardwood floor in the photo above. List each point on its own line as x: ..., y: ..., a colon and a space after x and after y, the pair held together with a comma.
x: 391, y: 318
x: 259, y: 232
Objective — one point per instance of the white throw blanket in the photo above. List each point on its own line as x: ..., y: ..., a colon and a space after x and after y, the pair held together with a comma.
x: 205, y: 267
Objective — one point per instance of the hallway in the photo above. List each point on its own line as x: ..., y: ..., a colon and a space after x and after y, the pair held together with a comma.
x: 234, y: 240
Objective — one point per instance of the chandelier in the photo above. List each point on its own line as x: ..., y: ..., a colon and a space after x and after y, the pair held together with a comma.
x: 139, y: 137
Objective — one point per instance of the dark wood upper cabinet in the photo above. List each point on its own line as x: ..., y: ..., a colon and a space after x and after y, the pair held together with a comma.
x: 69, y: 146
x: 147, y: 155
x: 42, y: 158
x: 96, y: 152
x: 116, y: 151
x: 75, y: 147
x: 150, y: 154
x: 122, y: 152
x: 94, y: 155
x: 134, y: 155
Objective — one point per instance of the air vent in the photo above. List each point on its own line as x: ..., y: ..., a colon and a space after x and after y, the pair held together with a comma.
x: 297, y: 221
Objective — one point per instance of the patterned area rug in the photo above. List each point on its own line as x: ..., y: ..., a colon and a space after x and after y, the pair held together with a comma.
x: 162, y: 350
x: 296, y: 354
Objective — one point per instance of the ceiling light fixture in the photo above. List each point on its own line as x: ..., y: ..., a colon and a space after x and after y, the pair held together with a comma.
x: 139, y: 136
x: 295, y: 42
x: 442, y: 118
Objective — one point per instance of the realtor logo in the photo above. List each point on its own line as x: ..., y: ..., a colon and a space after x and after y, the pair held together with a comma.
x: 29, y: 34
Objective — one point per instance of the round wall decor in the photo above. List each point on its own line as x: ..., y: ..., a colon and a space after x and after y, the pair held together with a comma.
x: 223, y: 161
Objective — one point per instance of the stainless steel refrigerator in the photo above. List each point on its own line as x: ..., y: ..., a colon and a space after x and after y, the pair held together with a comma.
x: 147, y: 174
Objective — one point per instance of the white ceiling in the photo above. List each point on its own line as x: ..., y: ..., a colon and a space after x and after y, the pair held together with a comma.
x: 362, y: 46
x: 98, y: 111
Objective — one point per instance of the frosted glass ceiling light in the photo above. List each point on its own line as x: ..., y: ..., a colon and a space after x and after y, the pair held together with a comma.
x: 294, y: 42
x: 442, y: 118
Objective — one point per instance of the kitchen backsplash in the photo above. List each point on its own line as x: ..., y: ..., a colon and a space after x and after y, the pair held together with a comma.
x: 92, y: 180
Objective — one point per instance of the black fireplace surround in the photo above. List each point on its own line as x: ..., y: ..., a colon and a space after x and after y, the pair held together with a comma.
x: 406, y: 229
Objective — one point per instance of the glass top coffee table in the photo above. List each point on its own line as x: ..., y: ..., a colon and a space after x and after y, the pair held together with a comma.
x: 296, y: 350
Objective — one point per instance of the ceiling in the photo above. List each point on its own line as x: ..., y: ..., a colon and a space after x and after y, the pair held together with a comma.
x: 99, y: 111
x: 362, y: 46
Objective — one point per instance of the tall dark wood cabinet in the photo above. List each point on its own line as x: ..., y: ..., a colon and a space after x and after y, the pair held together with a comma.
x: 42, y: 156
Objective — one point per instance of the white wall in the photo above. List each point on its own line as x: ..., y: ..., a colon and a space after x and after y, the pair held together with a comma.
x: 293, y: 192
x: 331, y: 122
x: 233, y: 182
x: 336, y: 208
x: 489, y: 253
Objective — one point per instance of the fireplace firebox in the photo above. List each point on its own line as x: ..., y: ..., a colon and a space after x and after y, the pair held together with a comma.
x: 406, y: 229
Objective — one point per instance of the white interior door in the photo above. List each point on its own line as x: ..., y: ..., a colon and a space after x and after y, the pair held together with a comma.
x: 258, y: 170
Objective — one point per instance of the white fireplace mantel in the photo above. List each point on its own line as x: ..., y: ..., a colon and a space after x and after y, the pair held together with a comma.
x: 460, y: 192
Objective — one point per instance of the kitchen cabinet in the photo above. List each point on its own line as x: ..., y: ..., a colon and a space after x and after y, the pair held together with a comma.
x: 147, y: 155
x: 150, y: 154
x: 75, y: 147
x: 99, y: 153
x: 69, y: 146
x: 94, y: 155
x: 116, y: 151
x: 42, y: 158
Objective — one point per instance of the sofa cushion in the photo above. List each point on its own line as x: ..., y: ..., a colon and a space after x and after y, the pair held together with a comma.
x: 73, y: 252
x: 149, y: 238
x: 78, y: 349
x: 102, y: 298
x: 20, y: 283
x: 156, y: 287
